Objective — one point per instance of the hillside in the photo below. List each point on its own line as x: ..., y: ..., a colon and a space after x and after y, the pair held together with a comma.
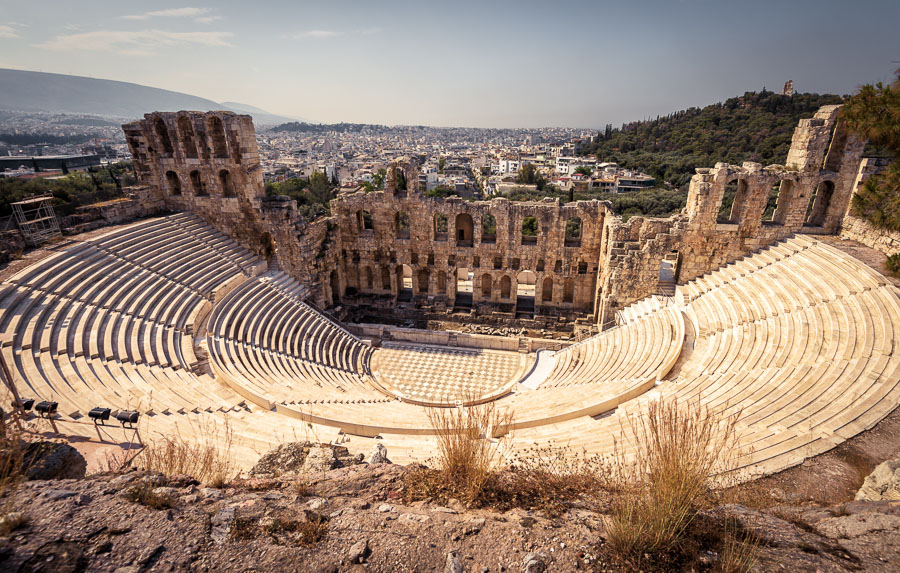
x: 57, y: 93
x: 753, y: 127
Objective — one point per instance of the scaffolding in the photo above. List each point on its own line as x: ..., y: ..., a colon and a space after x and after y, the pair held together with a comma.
x: 36, y: 219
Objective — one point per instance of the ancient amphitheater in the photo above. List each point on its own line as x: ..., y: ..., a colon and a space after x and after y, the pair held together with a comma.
x: 208, y: 309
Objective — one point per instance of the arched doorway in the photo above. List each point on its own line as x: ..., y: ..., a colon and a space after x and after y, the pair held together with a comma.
x: 335, y: 288
x: 569, y: 291
x: 669, y: 268
x: 267, y: 248
x: 174, y: 183
x: 226, y: 183
x: 463, y: 288
x: 505, y: 286
x: 547, y: 290
x: 385, y: 278
x: 162, y: 135
x: 404, y: 283
x: 186, y: 135
x: 217, y: 135
x: 525, y: 285
x: 423, y: 277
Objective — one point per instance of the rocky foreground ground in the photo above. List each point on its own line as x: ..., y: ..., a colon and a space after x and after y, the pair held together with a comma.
x: 352, y: 519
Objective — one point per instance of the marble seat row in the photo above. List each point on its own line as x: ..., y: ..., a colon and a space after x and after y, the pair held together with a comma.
x: 799, y: 341
x: 97, y: 325
x: 273, y: 348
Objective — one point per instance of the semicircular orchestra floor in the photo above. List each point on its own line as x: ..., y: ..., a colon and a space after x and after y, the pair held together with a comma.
x: 428, y: 374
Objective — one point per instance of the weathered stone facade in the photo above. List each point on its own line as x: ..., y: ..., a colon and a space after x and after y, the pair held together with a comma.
x: 581, y: 258
x: 562, y: 270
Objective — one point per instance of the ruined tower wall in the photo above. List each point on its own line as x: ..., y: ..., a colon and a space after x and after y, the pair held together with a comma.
x: 206, y: 163
x: 808, y: 195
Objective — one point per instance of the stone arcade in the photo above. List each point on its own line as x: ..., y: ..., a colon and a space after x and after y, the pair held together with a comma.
x: 583, y: 261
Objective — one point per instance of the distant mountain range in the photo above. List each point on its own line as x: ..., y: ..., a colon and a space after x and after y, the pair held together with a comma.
x: 58, y: 93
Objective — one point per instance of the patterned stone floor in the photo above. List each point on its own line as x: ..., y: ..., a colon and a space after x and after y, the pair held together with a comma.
x: 435, y: 374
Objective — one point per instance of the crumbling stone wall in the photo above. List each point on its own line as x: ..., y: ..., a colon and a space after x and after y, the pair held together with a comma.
x: 208, y: 163
x: 439, y: 239
x: 813, y: 192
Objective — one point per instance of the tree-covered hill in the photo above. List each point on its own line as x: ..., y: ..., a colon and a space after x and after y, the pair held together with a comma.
x: 753, y: 127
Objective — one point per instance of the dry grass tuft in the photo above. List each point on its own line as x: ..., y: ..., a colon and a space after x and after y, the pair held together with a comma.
x: 737, y: 553
x: 470, y: 466
x: 467, y: 453
x: 679, y: 450
x: 207, y: 458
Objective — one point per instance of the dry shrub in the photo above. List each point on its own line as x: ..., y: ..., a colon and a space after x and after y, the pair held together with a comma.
x: 467, y: 456
x: 146, y: 495
x: 737, y: 552
x: 547, y: 478
x: 206, y: 457
x: 12, y: 473
x: 679, y: 450
x: 282, y: 530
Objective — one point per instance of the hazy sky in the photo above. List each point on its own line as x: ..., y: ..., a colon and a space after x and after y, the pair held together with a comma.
x: 483, y: 63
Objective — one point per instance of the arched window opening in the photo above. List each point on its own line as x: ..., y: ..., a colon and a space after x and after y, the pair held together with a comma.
x: 505, y: 286
x: 401, y: 221
x: 368, y: 277
x: 733, y: 200
x: 464, y: 230
x: 174, y: 183
x: 364, y: 221
x: 162, y: 135
x: 217, y: 134
x: 569, y: 291
x: 547, y: 290
x: 186, y: 135
x: 440, y: 227
x: 441, y: 282
x: 529, y: 230
x: 226, y: 183
x: 817, y: 209
x: 197, y: 184
x: 385, y: 278
x: 488, y: 229
x: 778, y: 206
x: 486, y: 285
x: 573, y: 232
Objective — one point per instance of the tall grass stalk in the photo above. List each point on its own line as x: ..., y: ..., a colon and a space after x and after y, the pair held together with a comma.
x: 678, y: 450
